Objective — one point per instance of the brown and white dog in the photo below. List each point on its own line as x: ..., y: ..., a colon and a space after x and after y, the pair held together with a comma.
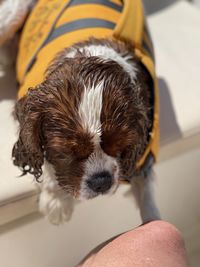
x: 86, y: 125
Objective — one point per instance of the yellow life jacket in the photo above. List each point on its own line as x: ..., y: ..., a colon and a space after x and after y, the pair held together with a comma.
x: 56, y: 24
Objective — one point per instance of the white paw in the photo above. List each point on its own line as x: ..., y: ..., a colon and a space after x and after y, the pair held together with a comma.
x: 57, y: 208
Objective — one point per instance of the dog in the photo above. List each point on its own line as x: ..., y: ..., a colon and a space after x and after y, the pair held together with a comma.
x: 88, y: 102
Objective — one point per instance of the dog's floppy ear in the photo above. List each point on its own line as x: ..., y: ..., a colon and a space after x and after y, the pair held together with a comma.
x: 28, y: 151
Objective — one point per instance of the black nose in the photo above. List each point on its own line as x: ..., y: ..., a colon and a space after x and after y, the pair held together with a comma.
x: 100, y: 182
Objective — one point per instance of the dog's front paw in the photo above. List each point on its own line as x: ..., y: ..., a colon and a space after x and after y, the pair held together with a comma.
x: 57, y: 208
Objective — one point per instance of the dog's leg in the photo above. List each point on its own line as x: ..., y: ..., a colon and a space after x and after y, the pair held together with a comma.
x: 54, y: 202
x: 56, y: 206
x: 142, y: 187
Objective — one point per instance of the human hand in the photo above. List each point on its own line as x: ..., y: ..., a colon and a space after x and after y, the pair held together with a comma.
x: 157, y: 244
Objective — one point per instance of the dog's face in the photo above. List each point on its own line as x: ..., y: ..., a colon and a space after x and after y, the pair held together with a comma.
x: 88, y: 120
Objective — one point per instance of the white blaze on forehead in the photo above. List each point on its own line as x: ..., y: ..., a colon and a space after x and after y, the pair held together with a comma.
x: 90, y: 114
x: 106, y: 52
x: 90, y: 110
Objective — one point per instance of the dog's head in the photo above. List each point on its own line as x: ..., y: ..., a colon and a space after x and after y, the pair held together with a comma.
x: 89, y: 120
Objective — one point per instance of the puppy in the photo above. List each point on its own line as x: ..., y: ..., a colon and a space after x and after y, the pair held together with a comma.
x: 87, y: 104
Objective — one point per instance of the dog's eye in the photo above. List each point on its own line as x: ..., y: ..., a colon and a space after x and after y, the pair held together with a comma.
x: 82, y: 157
x: 110, y: 149
x: 62, y: 157
x: 82, y: 150
x: 56, y: 156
